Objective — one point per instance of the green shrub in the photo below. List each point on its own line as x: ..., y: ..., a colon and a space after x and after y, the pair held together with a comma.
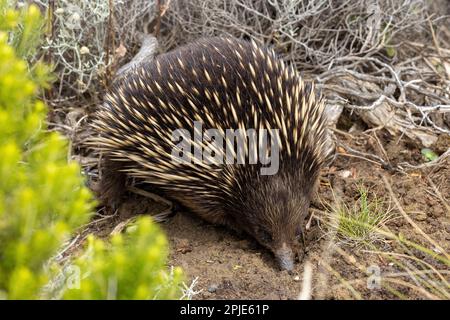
x: 131, y: 269
x: 43, y: 198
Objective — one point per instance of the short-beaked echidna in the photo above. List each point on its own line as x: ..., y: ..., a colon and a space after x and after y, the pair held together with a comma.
x: 223, y: 83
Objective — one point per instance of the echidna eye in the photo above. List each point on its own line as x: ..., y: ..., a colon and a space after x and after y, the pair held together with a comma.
x: 298, y: 233
x: 265, y: 235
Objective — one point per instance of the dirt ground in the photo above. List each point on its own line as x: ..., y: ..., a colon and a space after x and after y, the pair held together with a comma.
x: 227, y: 265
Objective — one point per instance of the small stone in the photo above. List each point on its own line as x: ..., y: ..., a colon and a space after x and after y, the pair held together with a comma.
x: 84, y: 50
x: 213, y: 288
x: 297, y: 278
x: 345, y: 174
x: 184, y: 246
x: 421, y: 216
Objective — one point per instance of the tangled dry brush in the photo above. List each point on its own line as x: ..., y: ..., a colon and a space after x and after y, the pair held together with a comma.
x: 385, y: 61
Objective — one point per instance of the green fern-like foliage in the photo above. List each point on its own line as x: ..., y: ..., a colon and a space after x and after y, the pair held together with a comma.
x: 43, y: 198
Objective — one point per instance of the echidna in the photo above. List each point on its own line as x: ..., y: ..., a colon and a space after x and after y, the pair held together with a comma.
x: 222, y: 83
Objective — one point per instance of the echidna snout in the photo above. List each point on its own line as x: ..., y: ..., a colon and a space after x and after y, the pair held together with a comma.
x: 285, y: 257
x: 274, y: 209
